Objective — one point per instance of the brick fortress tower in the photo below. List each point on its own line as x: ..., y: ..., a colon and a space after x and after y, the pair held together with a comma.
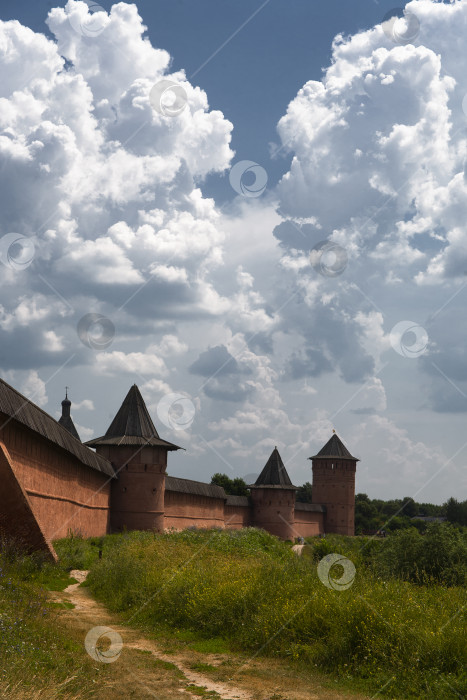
x: 273, y: 496
x: 334, y: 485
x: 139, y: 458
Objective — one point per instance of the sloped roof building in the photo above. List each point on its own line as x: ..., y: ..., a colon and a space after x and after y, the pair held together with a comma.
x: 53, y: 484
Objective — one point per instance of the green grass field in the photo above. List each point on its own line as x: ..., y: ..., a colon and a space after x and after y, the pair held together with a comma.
x: 399, y: 630
x: 36, y: 654
x: 401, y: 625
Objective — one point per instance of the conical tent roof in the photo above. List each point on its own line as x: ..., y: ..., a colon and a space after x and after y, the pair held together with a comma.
x: 132, y: 425
x: 274, y: 474
x: 335, y: 448
x: 133, y: 418
x: 67, y: 422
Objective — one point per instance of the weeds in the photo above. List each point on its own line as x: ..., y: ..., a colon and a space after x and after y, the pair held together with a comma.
x: 37, y: 657
x: 246, y: 590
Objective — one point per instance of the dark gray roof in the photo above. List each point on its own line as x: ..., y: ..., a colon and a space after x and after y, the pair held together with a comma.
x: 237, y: 500
x: 66, y: 420
x: 132, y: 440
x: 274, y: 473
x: 197, y: 488
x: 335, y: 448
x: 17, y: 407
x: 132, y: 425
x: 315, y: 507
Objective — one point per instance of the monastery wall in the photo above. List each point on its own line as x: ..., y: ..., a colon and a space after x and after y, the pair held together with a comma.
x: 17, y: 521
x: 237, y: 512
x: 65, y: 495
x: 183, y: 510
x: 307, y: 522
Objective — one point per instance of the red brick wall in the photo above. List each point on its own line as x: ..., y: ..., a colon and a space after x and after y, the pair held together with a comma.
x: 65, y: 495
x: 17, y: 521
x: 237, y: 517
x: 184, y: 510
x: 308, y: 523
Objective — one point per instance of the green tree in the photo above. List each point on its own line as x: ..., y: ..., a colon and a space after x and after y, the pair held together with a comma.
x: 390, y: 508
x: 430, y: 509
x: 366, y: 514
x: 440, y: 555
x: 409, y: 507
x: 455, y: 511
x: 362, y: 497
x: 233, y: 487
x: 304, y: 493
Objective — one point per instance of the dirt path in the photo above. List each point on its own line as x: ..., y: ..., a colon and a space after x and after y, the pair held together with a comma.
x: 144, y: 670
x: 89, y: 610
x: 298, y: 548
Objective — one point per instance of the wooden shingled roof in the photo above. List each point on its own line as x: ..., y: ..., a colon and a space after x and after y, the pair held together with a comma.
x: 197, y: 488
x: 132, y: 425
x: 313, y: 507
x: 334, y: 448
x: 20, y: 409
x: 232, y: 500
x: 274, y: 474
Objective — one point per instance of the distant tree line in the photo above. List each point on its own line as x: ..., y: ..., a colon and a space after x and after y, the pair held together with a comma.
x: 371, y: 514
x: 397, y: 513
x: 456, y: 511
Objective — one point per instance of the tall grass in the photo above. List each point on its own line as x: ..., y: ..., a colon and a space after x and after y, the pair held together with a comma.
x: 248, y: 588
x: 37, y: 656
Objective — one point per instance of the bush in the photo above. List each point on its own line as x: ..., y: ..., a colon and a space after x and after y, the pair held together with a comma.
x: 246, y: 587
x: 438, y: 556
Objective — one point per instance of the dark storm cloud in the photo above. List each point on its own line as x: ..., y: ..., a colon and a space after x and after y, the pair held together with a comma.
x: 297, y: 236
x: 215, y: 361
x: 311, y: 363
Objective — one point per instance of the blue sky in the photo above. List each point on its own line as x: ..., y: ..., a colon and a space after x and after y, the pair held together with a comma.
x: 257, y: 72
x: 333, y: 299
